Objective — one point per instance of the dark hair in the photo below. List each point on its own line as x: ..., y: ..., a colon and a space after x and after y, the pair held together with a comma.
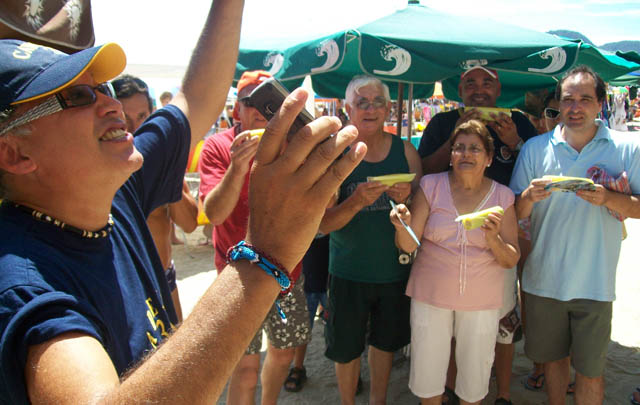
x: 477, y: 128
x: 127, y: 86
x: 550, y: 96
x: 166, y: 94
x: 601, y: 87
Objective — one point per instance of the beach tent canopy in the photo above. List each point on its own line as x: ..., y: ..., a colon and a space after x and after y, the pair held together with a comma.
x: 417, y: 45
x: 631, y: 79
x: 515, y: 83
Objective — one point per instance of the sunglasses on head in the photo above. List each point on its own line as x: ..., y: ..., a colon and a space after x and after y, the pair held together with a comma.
x: 551, y: 113
x: 73, y: 96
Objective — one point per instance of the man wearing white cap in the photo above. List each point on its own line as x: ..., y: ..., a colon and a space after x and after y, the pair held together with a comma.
x: 480, y: 87
x: 83, y: 318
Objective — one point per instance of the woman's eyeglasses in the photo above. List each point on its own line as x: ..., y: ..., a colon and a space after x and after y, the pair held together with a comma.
x: 551, y: 113
x: 460, y: 149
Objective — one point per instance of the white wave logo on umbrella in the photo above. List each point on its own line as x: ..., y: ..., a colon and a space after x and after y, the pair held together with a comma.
x: 329, y: 48
x: 275, y: 60
x: 468, y: 64
x: 401, y: 57
x: 558, y: 60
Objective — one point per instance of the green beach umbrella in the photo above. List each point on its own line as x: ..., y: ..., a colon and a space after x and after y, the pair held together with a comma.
x: 416, y: 45
x: 516, y: 82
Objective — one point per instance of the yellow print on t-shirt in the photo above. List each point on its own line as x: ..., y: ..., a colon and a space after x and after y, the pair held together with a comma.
x: 152, y: 315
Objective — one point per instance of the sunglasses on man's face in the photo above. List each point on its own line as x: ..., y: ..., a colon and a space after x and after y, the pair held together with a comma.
x: 73, y: 96
x: 247, y: 102
x: 83, y: 94
x: 551, y: 113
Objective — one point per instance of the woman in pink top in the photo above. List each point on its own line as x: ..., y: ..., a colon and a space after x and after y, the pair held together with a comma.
x: 456, y: 282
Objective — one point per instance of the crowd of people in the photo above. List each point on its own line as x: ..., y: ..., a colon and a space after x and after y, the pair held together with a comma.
x: 92, y: 182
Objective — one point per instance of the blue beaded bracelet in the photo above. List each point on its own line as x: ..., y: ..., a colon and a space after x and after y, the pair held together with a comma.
x: 244, y: 251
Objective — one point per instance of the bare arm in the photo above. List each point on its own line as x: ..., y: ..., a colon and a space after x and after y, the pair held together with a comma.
x: 289, y: 193
x: 501, y: 234
x: 185, y: 212
x: 210, y: 72
x: 627, y: 205
x: 337, y: 216
x: 223, y: 198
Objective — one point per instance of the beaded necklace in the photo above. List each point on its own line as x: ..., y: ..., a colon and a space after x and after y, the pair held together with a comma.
x: 41, y: 216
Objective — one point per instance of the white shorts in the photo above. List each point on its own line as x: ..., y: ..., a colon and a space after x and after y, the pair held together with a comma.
x: 431, y: 331
x: 508, y: 326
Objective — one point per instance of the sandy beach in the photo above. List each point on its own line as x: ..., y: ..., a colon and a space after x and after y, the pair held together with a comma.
x: 195, y: 273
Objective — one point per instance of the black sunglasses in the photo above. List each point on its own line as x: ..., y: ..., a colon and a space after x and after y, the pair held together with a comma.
x: 72, y: 96
x: 551, y: 113
x: 83, y: 94
x: 247, y: 102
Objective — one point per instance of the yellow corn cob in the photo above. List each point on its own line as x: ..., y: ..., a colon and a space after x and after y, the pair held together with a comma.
x: 568, y: 184
x: 476, y: 219
x: 256, y: 132
x: 555, y: 179
x: 391, y: 179
x: 486, y: 111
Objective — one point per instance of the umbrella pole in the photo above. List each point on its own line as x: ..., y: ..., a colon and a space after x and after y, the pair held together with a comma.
x: 410, y: 112
x: 399, y: 118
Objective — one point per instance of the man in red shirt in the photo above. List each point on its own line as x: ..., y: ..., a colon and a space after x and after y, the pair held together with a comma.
x: 224, y: 189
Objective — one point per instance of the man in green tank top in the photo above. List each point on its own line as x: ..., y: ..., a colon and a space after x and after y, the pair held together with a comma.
x: 368, y: 283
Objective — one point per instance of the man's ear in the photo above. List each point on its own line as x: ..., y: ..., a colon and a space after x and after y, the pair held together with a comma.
x: 12, y: 160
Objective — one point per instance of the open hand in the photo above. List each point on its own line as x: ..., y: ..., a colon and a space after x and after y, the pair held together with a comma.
x: 291, y: 184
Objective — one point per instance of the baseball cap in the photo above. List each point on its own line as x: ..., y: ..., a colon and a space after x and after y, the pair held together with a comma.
x: 29, y: 71
x: 491, y: 72
x: 252, y: 77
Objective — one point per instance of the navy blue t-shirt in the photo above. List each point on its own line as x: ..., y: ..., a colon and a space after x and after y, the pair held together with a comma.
x: 53, y: 281
x: 442, y: 125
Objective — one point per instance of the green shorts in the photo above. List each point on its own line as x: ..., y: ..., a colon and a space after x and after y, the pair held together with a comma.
x: 354, y: 306
x: 580, y: 328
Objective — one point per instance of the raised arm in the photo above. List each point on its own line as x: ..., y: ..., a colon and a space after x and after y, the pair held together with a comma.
x: 290, y: 189
x: 210, y: 72
x: 220, y: 201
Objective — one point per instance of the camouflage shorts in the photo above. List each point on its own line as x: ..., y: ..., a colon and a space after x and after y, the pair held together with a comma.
x: 295, y: 332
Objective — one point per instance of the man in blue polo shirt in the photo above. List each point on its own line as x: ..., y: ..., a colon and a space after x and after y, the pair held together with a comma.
x: 569, y: 277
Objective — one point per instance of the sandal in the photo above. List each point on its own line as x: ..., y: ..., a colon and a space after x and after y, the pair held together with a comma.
x: 295, y: 380
x: 571, y: 388
x: 538, y: 382
x: 502, y: 401
x: 632, y: 399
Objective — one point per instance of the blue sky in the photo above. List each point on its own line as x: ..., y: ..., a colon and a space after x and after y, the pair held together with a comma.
x: 165, y: 31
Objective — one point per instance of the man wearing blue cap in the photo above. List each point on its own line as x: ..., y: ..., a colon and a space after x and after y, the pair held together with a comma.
x: 83, y: 318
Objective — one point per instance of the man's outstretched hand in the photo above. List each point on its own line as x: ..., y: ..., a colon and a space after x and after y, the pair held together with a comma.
x: 291, y: 184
